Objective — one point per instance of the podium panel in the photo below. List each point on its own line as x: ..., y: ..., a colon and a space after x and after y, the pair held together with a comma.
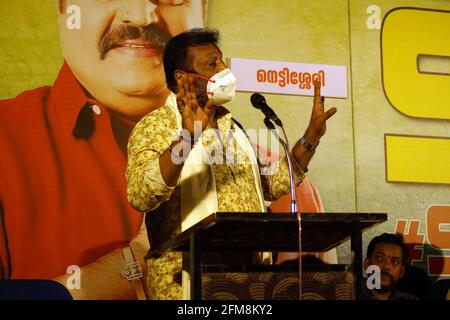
x: 225, y: 231
x: 320, y: 285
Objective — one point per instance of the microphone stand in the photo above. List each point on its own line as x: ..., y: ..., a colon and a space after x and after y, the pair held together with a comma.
x: 285, y: 145
x: 294, y: 208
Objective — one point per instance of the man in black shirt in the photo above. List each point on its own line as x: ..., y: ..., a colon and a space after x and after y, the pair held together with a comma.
x: 387, y: 252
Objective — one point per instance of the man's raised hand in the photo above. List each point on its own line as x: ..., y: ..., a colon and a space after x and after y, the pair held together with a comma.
x: 318, y: 122
x: 190, y: 110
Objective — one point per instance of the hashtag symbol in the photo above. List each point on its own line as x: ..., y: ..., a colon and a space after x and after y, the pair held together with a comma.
x: 414, y: 240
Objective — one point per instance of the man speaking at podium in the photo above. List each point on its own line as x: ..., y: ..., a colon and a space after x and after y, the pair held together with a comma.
x: 189, y: 158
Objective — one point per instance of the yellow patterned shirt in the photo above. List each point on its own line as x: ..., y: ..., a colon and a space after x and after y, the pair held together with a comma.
x: 147, y: 191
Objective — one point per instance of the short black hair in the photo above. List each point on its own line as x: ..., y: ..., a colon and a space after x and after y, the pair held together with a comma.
x: 176, y: 55
x: 392, y: 238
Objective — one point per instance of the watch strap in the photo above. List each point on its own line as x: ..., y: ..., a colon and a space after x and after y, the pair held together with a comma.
x: 308, y: 145
x: 132, y: 271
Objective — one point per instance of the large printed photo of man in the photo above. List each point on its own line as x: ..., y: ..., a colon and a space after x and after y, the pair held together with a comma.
x: 63, y: 203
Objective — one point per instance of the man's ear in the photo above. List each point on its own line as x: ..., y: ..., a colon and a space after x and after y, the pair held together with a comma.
x: 366, y: 263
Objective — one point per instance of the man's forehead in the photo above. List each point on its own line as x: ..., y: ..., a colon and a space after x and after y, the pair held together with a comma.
x: 209, y: 49
x: 389, y: 249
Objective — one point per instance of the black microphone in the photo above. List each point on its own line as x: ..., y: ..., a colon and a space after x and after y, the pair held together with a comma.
x: 259, y: 102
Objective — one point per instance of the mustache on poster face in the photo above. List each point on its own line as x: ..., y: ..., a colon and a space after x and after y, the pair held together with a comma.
x: 156, y: 36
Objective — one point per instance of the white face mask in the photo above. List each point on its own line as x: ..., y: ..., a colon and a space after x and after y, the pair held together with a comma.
x: 221, y: 87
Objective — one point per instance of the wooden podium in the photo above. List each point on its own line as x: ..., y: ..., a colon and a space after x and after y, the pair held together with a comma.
x: 225, y: 231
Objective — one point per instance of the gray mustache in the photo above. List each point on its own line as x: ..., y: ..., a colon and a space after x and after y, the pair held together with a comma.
x: 157, y: 36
